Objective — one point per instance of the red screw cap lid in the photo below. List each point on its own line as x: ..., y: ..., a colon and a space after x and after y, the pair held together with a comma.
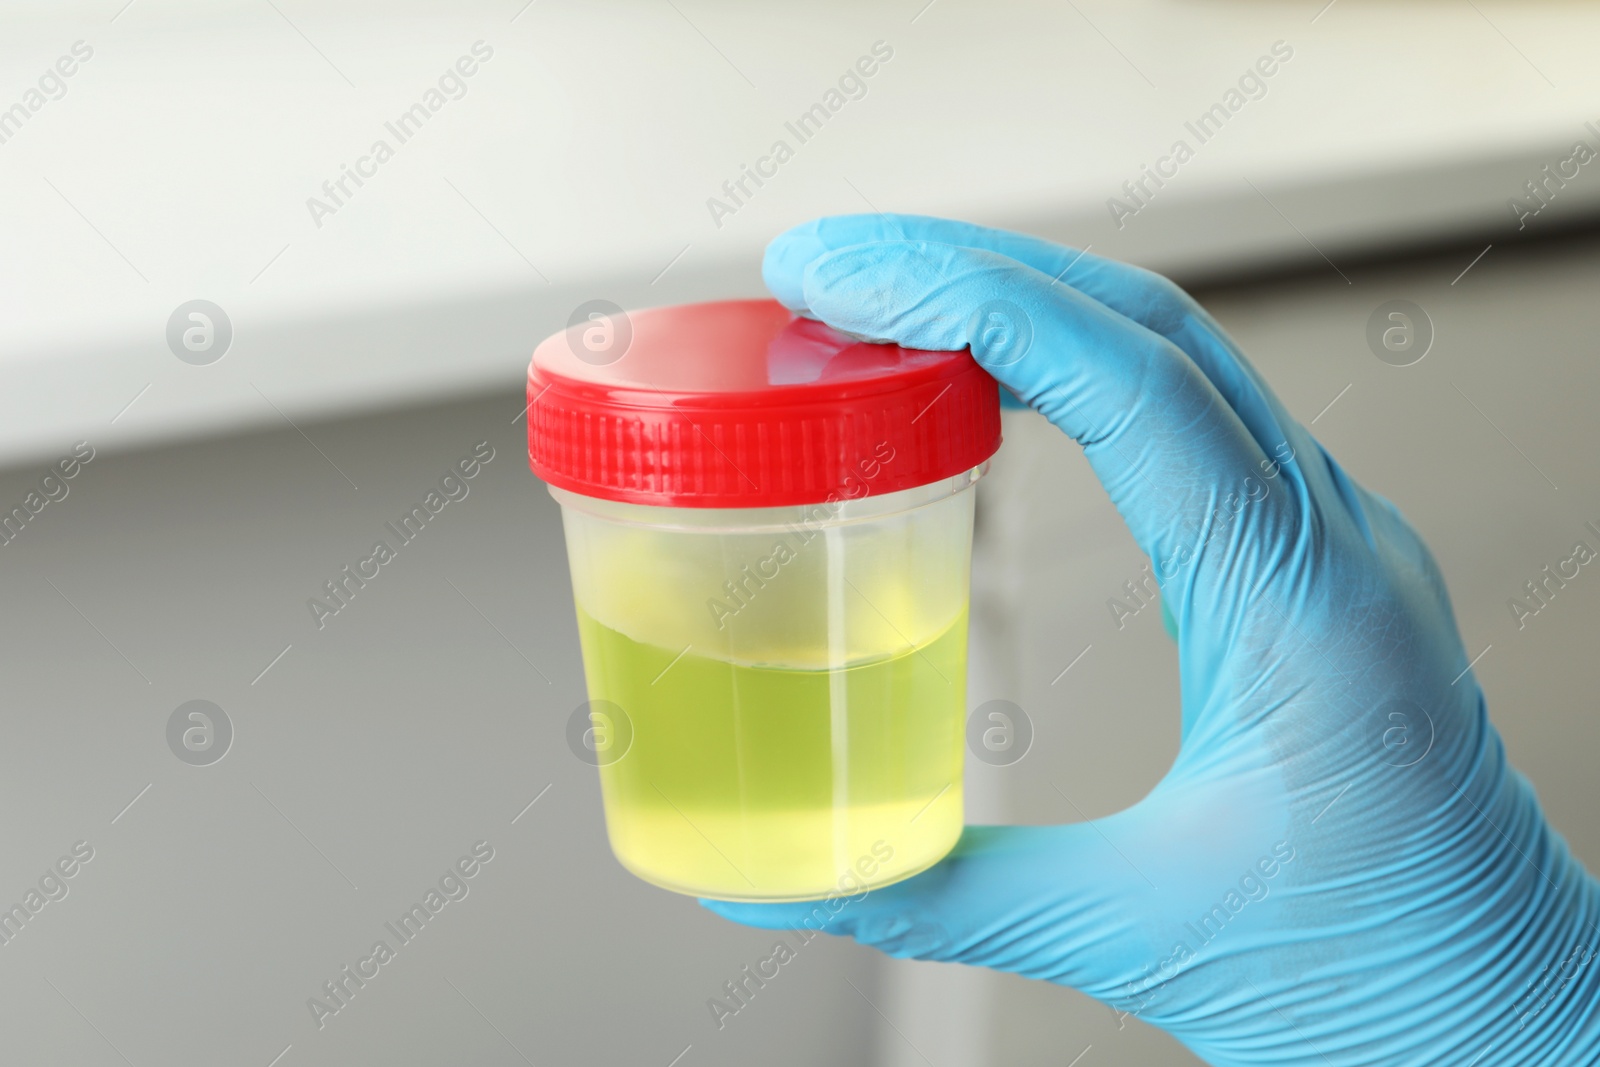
x: 740, y: 403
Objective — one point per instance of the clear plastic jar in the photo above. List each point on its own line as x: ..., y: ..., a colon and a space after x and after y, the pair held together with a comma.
x: 780, y: 687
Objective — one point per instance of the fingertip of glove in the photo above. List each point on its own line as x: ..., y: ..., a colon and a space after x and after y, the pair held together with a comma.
x: 784, y: 263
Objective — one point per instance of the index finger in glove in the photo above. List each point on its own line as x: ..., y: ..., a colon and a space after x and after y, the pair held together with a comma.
x: 1175, y: 457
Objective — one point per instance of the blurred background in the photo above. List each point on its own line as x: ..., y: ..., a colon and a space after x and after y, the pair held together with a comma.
x: 364, y: 336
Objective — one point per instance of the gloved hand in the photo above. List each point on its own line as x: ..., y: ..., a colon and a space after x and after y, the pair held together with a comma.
x: 1341, y: 867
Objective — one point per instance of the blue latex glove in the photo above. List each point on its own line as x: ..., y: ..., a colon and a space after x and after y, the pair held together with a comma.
x: 1341, y: 867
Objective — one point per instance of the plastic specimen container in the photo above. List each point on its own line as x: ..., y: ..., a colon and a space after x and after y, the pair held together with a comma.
x: 768, y: 527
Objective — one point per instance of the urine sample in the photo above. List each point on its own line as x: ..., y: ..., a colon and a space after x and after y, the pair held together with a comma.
x: 768, y: 529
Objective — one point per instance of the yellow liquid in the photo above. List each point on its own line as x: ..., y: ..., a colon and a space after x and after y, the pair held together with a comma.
x: 750, y: 782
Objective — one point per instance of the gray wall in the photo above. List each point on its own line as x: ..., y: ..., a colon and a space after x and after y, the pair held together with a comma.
x: 427, y: 714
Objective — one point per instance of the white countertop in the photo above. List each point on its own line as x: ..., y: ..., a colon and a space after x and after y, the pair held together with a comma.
x: 579, y: 161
